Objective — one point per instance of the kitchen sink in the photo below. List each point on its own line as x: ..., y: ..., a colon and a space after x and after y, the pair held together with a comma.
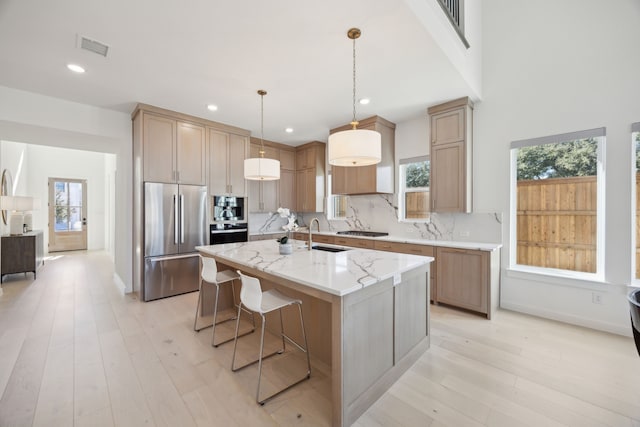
x: 328, y: 248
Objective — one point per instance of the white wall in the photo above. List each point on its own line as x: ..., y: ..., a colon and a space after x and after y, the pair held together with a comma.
x: 553, y: 67
x: 43, y: 162
x: 468, y: 62
x: 37, y: 119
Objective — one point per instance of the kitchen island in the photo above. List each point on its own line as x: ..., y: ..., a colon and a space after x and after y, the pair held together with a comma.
x: 366, y: 311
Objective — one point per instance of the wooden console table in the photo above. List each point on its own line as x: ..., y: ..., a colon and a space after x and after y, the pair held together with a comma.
x: 21, y: 254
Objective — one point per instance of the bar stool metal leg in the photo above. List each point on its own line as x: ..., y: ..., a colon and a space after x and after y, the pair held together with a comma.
x: 215, y: 314
x: 262, y: 303
x: 195, y: 321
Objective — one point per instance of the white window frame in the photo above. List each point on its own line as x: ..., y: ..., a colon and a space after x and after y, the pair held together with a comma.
x: 635, y: 128
x: 331, y: 200
x: 598, y: 276
x: 402, y: 190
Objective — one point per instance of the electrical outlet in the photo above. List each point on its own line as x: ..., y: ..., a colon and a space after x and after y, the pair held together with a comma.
x: 464, y: 233
x: 596, y: 298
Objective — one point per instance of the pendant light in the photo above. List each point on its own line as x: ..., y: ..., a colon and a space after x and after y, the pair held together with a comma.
x: 354, y: 147
x: 259, y: 168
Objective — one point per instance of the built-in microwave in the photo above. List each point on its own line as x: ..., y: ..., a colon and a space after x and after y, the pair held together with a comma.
x: 228, y: 209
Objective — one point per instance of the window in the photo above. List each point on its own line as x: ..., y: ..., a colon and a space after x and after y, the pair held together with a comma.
x: 414, y: 188
x: 336, y: 204
x: 557, y: 209
x: 635, y: 133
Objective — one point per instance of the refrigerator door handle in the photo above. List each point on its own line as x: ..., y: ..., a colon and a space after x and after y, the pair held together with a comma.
x: 175, y: 222
x: 181, y: 218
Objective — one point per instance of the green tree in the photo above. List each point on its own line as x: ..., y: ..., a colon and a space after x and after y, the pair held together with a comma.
x: 572, y: 158
x: 418, y: 174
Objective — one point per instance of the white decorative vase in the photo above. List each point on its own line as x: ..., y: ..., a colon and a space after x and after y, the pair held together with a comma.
x: 286, y: 249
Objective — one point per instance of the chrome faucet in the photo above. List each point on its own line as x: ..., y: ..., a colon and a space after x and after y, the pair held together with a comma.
x: 310, y: 225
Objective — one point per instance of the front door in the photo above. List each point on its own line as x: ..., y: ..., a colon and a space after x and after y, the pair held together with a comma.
x: 67, y: 214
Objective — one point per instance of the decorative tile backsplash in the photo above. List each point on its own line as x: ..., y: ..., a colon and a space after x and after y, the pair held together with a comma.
x: 378, y: 212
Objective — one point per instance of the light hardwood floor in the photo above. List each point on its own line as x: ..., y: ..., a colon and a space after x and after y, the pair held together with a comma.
x: 75, y: 351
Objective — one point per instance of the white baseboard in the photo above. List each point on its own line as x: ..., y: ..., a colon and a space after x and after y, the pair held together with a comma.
x: 121, y: 285
x: 613, y: 328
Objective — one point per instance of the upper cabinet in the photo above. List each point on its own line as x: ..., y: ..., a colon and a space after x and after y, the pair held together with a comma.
x: 288, y: 178
x: 173, y: 147
x: 451, y: 156
x: 310, y: 177
x: 226, y: 163
x: 174, y: 151
x: 371, y: 179
x: 263, y: 195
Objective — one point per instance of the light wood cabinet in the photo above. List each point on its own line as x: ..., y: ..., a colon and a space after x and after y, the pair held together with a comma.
x: 159, y: 148
x: 226, y: 163
x: 287, y: 187
x: 371, y: 179
x: 353, y: 242
x: 410, y: 248
x: 310, y: 179
x: 451, y: 156
x: 319, y: 238
x: 271, y: 236
x: 191, y: 154
x: 287, y: 159
x: 174, y: 151
x: 463, y: 278
x: 264, y: 195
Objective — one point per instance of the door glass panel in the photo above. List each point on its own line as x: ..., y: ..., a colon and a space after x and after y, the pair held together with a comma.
x: 68, y: 206
x: 62, y: 213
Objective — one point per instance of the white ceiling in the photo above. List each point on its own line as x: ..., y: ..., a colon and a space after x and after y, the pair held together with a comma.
x: 183, y: 55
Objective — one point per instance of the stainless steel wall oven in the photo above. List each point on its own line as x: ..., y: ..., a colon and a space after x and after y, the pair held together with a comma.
x: 228, y: 233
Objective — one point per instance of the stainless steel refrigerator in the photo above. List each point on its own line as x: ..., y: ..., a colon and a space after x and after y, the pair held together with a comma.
x: 175, y: 222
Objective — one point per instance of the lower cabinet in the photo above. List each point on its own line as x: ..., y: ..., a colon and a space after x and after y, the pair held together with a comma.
x: 354, y: 243
x: 411, y: 248
x: 463, y: 279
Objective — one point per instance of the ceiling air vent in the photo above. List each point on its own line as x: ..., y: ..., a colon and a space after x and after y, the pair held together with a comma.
x: 93, y: 46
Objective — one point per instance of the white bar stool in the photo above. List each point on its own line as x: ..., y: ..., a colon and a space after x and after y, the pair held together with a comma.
x: 211, y: 275
x: 252, y: 297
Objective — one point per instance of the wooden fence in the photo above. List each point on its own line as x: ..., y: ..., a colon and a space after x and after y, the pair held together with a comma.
x: 556, y: 225
x: 417, y: 204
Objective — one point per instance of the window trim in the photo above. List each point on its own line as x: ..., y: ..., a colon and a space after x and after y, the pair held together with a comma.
x: 599, y: 133
x: 635, y: 128
x: 330, y: 203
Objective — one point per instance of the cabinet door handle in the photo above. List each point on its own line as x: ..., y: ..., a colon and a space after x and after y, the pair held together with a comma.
x: 230, y: 188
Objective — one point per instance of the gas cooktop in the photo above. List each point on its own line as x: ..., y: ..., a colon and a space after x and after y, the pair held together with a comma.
x: 363, y: 233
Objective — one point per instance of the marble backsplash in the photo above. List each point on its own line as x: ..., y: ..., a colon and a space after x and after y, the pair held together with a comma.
x: 378, y: 212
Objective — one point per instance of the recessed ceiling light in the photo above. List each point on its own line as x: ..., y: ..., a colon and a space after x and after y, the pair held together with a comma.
x: 288, y: 130
x: 365, y: 101
x: 75, y: 68
x: 212, y: 107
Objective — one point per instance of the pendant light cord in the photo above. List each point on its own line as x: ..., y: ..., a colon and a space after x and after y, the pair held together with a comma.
x: 354, y: 123
x: 262, y: 124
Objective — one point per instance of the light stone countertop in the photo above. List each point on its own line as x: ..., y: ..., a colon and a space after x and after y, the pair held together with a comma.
x: 489, y: 247
x: 337, y: 273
